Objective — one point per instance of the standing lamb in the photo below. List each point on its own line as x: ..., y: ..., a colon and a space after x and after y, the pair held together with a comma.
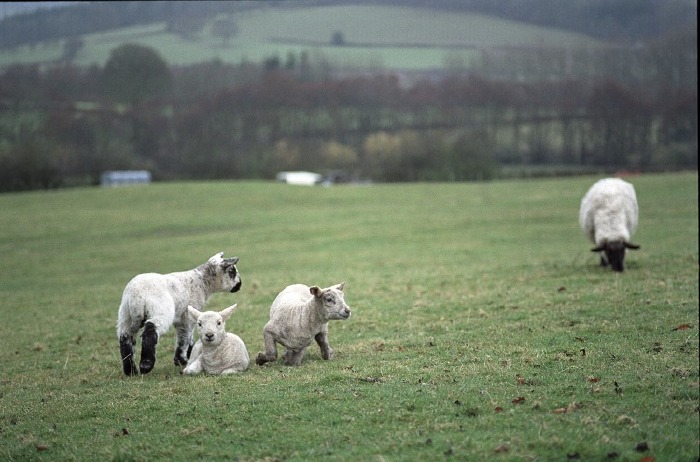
x: 299, y: 315
x: 217, y: 351
x: 155, y: 301
x: 608, y: 216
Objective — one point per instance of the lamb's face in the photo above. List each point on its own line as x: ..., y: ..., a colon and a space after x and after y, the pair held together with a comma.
x: 333, y: 301
x: 212, y: 328
x: 224, y: 273
x: 231, y: 279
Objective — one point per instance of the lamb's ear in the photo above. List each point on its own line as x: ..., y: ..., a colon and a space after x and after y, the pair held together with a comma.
x: 216, y: 259
x: 226, y: 313
x: 229, y: 262
x: 600, y: 248
x: 315, y: 291
x: 339, y: 286
x: 631, y: 246
x: 194, y: 312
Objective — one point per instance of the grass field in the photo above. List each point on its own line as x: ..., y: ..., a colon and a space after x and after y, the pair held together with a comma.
x: 439, y: 37
x: 482, y: 327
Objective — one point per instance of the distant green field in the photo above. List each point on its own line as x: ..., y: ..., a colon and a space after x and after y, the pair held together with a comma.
x: 482, y: 326
x: 434, y: 38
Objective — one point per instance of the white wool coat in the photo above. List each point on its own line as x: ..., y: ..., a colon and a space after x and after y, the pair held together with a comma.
x: 609, y: 211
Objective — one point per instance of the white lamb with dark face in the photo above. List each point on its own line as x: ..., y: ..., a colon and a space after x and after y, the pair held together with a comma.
x: 154, y: 302
x: 299, y: 315
x: 217, y: 351
x: 608, y: 216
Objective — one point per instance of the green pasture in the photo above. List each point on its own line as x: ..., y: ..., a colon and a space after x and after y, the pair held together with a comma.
x: 482, y: 327
x: 390, y: 37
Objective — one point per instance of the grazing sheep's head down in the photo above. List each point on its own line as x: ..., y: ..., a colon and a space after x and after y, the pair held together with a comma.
x: 333, y: 301
x: 226, y: 272
x: 614, y: 253
x: 211, y: 324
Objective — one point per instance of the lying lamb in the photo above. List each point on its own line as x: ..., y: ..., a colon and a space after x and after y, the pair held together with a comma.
x: 155, y: 301
x: 217, y: 351
x: 299, y: 315
x: 608, y: 216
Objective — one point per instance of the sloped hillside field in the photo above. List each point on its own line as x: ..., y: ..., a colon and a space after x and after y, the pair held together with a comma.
x: 482, y: 326
x: 390, y: 37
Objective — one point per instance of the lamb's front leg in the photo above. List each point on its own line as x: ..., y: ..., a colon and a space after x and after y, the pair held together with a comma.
x: 322, y: 340
x: 231, y: 370
x: 195, y: 367
x: 196, y: 353
x: 270, y: 354
x: 184, y: 344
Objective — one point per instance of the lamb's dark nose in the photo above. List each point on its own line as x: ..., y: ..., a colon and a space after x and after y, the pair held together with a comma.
x: 209, y: 337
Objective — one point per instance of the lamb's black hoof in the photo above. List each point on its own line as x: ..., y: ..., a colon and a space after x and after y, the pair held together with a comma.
x: 146, y: 366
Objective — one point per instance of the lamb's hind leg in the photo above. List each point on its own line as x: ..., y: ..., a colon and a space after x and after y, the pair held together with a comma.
x: 293, y: 358
x: 270, y: 354
x: 126, y: 350
x: 149, y: 340
x: 126, y: 331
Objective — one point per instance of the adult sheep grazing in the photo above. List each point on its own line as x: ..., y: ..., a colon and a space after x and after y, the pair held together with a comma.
x: 298, y: 315
x: 608, y: 216
x: 154, y: 302
x: 217, y: 351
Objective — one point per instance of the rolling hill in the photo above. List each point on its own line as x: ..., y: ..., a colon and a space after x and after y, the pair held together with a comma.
x: 373, y: 36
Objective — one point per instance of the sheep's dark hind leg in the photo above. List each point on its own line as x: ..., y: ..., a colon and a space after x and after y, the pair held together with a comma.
x: 126, y: 350
x: 270, y: 354
x: 149, y: 340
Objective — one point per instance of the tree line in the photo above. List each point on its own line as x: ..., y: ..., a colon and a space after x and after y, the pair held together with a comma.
x: 525, y: 110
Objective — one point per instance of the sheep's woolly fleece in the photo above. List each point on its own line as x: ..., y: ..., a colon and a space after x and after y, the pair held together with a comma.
x: 608, y: 216
x: 299, y: 315
x: 155, y: 301
x: 217, y: 351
